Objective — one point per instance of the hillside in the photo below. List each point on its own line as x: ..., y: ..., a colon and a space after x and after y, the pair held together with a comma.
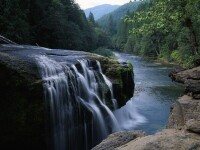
x: 100, y: 10
x: 118, y: 13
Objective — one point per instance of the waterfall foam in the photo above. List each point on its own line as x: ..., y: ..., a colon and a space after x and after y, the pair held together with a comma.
x: 79, y: 116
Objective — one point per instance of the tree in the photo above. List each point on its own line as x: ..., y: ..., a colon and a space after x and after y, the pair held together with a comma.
x: 168, y: 28
x: 111, y: 25
x: 91, y: 19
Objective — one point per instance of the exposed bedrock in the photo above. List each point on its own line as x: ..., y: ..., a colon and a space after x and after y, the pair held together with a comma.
x: 191, y: 80
x: 24, y: 119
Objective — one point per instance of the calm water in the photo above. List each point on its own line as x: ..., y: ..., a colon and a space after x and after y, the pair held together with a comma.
x: 149, y: 108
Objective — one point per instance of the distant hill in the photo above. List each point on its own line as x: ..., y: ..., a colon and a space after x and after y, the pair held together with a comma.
x: 100, y: 10
x: 118, y: 13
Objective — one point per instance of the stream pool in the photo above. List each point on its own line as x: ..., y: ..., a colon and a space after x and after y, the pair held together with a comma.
x: 149, y: 108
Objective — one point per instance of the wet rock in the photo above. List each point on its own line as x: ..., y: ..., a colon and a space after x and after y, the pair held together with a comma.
x: 118, y: 139
x: 122, y: 77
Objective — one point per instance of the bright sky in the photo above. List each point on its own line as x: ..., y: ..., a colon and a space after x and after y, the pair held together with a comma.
x: 91, y: 3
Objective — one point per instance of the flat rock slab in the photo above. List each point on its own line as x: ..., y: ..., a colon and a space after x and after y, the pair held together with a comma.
x: 168, y: 139
x: 117, y: 139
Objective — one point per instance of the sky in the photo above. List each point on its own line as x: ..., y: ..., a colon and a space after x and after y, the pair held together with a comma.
x: 84, y: 4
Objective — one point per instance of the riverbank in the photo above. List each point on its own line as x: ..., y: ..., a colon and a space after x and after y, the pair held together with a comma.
x: 183, y: 128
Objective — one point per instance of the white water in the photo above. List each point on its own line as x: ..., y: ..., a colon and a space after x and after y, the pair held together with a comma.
x: 79, y: 117
x: 109, y: 84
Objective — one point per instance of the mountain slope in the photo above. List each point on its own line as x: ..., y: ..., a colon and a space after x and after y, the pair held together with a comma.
x: 100, y: 10
x: 118, y: 13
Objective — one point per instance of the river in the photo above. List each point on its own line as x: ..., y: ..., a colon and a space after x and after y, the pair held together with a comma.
x: 149, y: 108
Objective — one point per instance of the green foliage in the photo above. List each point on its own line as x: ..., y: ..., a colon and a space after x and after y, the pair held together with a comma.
x: 49, y: 23
x: 104, y: 52
x: 176, y: 56
x: 168, y: 30
x: 91, y: 19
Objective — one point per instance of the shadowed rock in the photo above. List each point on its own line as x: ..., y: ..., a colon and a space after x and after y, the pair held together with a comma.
x: 191, y: 80
x: 23, y: 116
x: 193, y: 125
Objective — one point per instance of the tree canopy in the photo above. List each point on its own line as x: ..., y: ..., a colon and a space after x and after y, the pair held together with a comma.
x: 168, y: 30
x: 49, y: 23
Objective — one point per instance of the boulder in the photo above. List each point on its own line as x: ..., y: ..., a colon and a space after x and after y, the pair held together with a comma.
x: 185, y: 109
x: 193, y: 125
x: 122, y: 77
x: 191, y: 80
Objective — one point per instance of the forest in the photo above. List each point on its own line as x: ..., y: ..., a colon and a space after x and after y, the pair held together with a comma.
x: 49, y: 23
x: 165, y: 30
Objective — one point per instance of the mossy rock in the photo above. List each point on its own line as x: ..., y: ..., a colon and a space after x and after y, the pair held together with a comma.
x: 122, y: 77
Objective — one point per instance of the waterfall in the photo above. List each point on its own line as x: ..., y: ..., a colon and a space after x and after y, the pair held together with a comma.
x: 74, y: 96
x: 109, y: 84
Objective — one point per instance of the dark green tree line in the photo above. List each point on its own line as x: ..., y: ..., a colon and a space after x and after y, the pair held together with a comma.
x: 49, y: 23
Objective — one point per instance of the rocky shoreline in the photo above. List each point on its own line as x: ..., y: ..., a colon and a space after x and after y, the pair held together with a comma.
x: 183, y: 128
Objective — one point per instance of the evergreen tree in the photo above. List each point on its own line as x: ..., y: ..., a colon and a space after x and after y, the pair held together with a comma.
x: 111, y: 25
x: 91, y: 19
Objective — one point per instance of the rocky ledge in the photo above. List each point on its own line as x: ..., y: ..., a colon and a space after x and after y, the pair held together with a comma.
x: 23, y: 118
x: 191, y: 80
x: 183, y: 129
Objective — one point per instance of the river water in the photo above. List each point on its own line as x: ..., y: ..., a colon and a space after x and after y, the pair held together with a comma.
x: 149, y: 108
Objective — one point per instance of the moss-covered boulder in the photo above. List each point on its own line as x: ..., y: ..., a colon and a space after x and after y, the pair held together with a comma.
x: 122, y: 77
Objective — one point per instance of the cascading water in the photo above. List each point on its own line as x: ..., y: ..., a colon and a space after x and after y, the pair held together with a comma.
x: 109, y: 84
x: 75, y: 100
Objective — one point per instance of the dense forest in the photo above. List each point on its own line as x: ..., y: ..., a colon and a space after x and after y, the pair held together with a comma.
x: 115, y: 16
x: 49, y: 23
x: 167, y: 30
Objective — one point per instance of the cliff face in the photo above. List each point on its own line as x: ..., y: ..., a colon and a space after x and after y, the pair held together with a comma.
x: 185, y: 112
x: 183, y: 127
x: 23, y: 116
